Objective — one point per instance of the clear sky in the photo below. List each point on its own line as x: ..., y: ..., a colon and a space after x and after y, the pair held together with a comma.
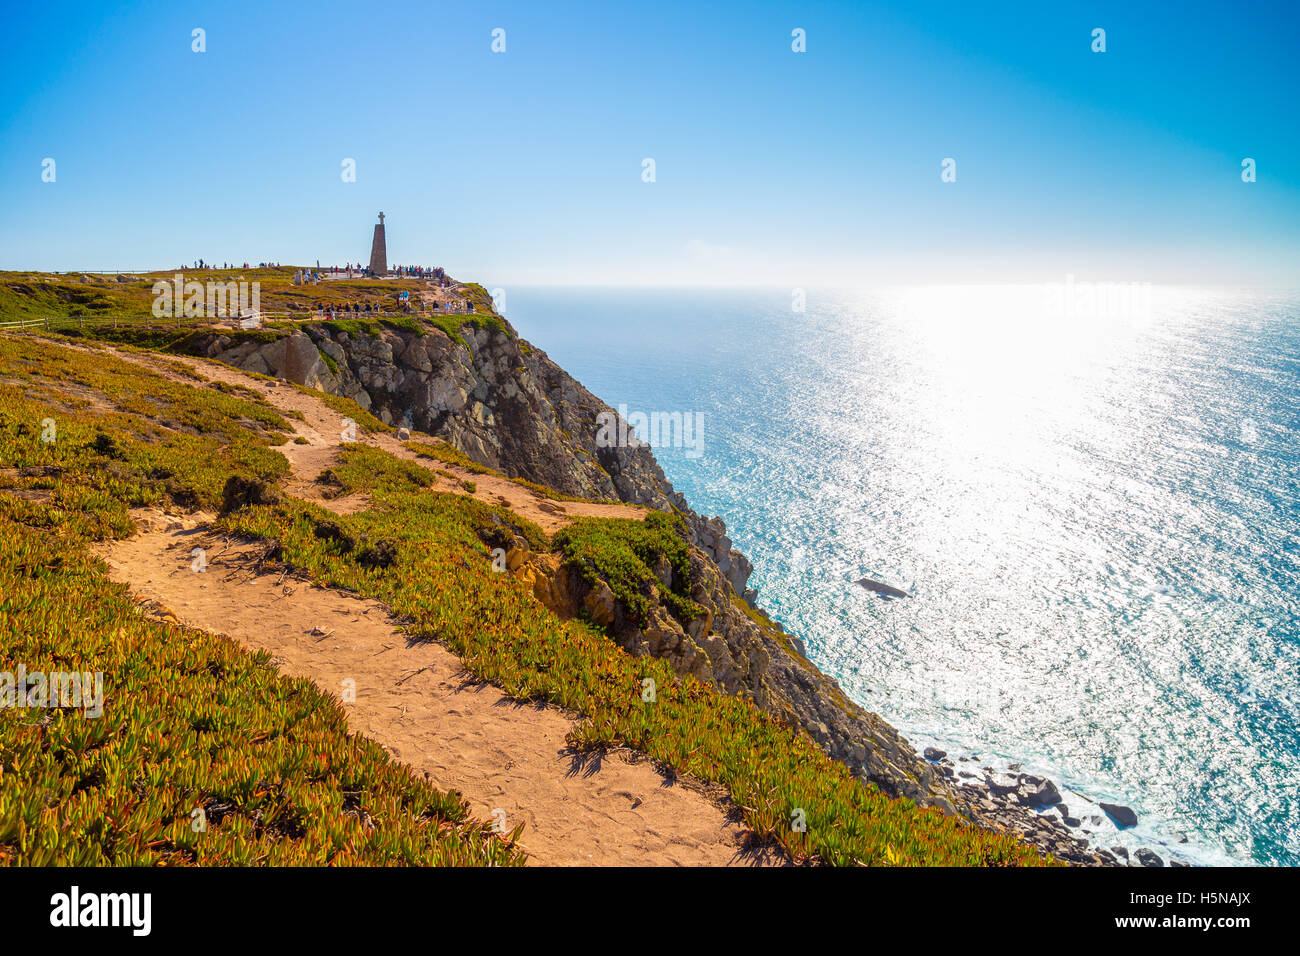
x: 821, y: 167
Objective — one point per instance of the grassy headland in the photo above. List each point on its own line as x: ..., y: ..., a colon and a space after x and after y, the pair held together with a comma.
x: 291, y: 786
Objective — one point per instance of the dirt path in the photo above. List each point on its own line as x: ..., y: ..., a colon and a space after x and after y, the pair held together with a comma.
x: 417, y: 700
x: 322, y: 430
x: 419, y: 703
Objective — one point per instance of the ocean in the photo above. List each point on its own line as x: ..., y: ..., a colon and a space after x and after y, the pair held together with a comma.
x: 1091, y: 496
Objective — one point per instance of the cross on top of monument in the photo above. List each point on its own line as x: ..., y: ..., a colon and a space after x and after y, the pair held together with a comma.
x: 381, y: 218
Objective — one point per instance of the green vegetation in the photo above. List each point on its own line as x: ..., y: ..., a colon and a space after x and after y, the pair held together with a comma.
x: 30, y: 295
x: 191, y: 723
x: 118, y: 308
x: 34, y: 295
x: 443, y: 584
x: 290, y: 785
x: 439, y: 450
x: 479, y: 299
x: 452, y: 323
x: 622, y: 551
x: 158, y: 337
x: 373, y: 326
x: 366, y: 468
x: 348, y: 408
x: 159, y: 443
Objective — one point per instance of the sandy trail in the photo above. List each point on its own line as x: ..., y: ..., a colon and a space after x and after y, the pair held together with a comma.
x: 322, y: 428
x: 419, y: 702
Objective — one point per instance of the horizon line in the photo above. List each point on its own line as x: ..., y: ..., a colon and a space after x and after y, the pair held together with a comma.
x: 784, y: 286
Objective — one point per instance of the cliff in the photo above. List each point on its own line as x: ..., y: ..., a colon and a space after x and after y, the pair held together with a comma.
x: 503, y: 403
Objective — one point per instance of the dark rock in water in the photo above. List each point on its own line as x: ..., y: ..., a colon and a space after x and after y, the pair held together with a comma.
x: 1119, y: 851
x: 1070, y: 821
x: 884, y: 590
x: 1123, y: 816
x: 1148, y: 858
x: 1178, y: 863
x: 933, y: 753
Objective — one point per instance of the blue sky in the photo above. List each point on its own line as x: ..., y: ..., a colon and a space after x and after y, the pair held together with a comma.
x: 772, y: 166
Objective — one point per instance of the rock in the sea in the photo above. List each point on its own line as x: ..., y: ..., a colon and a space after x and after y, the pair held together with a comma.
x: 1123, y: 816
x: 883, y: 589
x: 1149, y: 858
x: 1119, y: 851
x: 933, y: 753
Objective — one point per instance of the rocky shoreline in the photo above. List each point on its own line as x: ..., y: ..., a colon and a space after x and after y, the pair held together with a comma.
x: 504, y: 403
x: 1034, y: 807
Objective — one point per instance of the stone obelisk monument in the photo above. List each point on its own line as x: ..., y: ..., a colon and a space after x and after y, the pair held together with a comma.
x: 379, y: 250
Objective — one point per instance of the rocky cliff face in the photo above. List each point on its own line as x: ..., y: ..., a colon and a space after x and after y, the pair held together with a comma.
x: 492, y: 395
x: 504, y: 403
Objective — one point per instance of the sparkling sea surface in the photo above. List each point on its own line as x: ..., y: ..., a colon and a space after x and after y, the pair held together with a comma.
x: 1094, y: 509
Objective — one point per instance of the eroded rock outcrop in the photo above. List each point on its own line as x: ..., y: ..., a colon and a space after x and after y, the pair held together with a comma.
x: 497, y: 398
